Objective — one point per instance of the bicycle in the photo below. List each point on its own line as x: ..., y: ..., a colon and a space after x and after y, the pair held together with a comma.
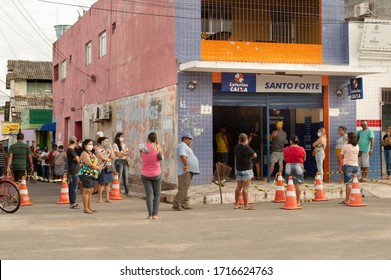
x: 9, y: 195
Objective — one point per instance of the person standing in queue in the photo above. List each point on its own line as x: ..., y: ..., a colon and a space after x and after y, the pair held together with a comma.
x: 243, y: 170
x: 188, y: 166
x: 278, y: 141
x: 366, y: 143
x: 319, y: 150
x: 73, y: 163
x: 342, y: 140
x: 16, y: 162
x: 121, y: 163
x: 88, y: 174
x: 255, y: 143
x: 295, y: 156
x: 349, y: 157
x: 386, y: 143
x: 151, y: 174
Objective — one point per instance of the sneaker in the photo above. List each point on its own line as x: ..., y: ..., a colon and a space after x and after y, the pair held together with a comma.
x: 186, y: 207
x: 177, y: 208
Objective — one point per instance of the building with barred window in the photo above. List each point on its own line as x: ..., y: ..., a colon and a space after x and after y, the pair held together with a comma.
x: 195, y: 65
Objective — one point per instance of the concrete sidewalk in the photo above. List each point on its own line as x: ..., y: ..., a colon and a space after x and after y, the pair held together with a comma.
x: 265, y: 192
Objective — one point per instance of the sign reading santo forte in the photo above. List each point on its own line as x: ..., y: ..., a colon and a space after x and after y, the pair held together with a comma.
x: 239, y: 82
x: 286, y: 84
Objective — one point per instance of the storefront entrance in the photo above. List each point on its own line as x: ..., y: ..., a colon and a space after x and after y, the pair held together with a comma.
x: 302, y: 117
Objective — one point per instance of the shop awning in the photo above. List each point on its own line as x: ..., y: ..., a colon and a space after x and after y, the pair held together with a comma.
x: 280, y: 68
x: 48, y: 127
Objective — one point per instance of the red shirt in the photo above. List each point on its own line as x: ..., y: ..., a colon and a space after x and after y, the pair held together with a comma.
x: 294, y: 154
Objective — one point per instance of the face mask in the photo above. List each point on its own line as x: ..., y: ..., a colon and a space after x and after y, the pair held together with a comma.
x: 60, y: 150
x: 80, y: 144
x: 121, y: 139
x: 89, y: 147
x: 319, y: 134
x: 105, y: 144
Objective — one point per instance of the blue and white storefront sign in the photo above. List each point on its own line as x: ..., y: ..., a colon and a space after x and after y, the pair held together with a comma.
x: 356, y: 89
x: 289, y: 84
x: 238, y: 82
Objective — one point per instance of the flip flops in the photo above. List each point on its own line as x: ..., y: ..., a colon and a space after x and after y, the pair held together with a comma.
x: 249, y: 208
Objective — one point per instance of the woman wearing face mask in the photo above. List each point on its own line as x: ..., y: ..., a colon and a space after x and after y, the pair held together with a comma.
x: 105, y: 155
x: 88, y: 174
x: 319, y: 147
x: 121, y: 152
x: 59, y: 160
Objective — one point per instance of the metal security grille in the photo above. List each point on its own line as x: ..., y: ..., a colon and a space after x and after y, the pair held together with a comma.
x: 277, y: 21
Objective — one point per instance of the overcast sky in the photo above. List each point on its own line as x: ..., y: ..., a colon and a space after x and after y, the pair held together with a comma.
x: 27, y: 30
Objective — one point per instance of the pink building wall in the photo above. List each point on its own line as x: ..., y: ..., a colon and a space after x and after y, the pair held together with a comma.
x: 140, y: 58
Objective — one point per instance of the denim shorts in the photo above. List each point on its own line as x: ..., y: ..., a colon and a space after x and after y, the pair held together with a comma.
x: 348, y: 172
x: 296, y: 170
x: 87, y: 181
x: 244, y: 175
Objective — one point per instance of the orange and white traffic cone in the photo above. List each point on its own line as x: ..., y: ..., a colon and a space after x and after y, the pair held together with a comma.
x: 241, y: 200
x: 64, y: 194
x: 115, y: 193
x: 355, y: 198
x: 280, y: 190
x: 291, y: 199
x: 319, y: 192
x: 24, y: 193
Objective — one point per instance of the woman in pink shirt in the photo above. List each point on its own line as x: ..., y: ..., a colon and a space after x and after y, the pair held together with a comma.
x: 151, y: 174
x: 349, y: 157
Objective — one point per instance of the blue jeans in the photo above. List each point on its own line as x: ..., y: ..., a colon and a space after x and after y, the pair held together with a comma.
x: 45, y: 171
x: 72, y: 187
x: 152, y: 186
x: 319, y: 157
x: 348, y: 172
x: 387, y: 158
x: 123, y: 170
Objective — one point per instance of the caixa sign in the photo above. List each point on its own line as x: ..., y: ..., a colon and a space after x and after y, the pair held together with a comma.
x: 238, y: 82
x: 356, y: 89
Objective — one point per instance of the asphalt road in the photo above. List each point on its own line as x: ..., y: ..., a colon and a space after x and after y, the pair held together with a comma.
x: 119, y: 231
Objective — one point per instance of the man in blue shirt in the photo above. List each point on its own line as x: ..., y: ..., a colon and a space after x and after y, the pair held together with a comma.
x: 365, y: 142
x: 187, y: 167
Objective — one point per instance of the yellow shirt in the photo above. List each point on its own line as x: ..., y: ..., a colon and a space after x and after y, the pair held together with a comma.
x: 221, y: 145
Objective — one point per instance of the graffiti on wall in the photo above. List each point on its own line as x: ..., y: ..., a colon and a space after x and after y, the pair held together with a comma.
x: 137, y: 116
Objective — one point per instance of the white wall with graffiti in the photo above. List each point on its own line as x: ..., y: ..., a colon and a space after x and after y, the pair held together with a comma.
x: 137, y: 116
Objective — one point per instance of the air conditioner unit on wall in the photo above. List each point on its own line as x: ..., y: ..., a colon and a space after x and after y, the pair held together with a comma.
x: 104, y: 112
x: 95, y: 113
x: 362, y: 10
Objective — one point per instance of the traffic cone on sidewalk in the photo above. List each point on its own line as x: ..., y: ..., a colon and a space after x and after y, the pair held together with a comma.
x: 291, y: 200
x: 280, y: 190
x: 64, y: 194
x: 319, y: 192
x: 24, y: 193
x: 115, y: 193
x: 355, y: 198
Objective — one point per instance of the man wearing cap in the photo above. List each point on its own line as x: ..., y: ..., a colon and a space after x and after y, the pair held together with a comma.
x: 17, y: 155
x: 278, y: 139
x: 187, y: 167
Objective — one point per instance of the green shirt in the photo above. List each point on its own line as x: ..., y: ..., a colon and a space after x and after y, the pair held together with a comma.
x: 19, y: 152
x: 364, y: 141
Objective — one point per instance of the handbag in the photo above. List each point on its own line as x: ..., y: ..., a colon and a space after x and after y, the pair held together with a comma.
x: 110, y: 168
x: 128, y: 161
x: 159, y: 156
